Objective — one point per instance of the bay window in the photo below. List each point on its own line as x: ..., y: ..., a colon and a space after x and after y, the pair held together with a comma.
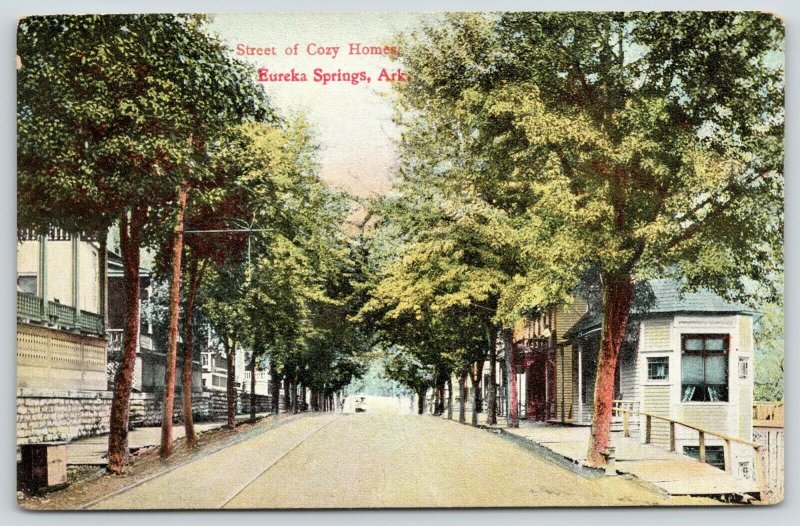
x: 704, y: 367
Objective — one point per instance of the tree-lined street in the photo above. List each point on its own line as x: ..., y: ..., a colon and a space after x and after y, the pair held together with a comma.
x: 378, y: 460
x: 543, y: 160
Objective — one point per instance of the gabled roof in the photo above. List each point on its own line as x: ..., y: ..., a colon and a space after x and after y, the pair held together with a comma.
x: 668, y: 299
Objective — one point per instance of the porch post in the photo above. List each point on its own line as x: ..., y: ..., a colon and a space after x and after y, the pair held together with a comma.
x: 76, y: 319
x: 43, y: 278
x: 580, y: 383
x: 102, y: 258
x: 547, y: 386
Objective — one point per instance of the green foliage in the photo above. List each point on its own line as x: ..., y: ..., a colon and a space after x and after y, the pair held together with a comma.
x: 106, y: 109
x: 289, y: 285
x: 769, y: 355
x: 641, y: 143
x: 539, y: 148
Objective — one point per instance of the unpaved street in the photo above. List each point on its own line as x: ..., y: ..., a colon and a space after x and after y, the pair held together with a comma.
x: 377, y: 460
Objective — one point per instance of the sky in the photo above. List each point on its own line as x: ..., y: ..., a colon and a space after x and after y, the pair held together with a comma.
x: 353, y: 123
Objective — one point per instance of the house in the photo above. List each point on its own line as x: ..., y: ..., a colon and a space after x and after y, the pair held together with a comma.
x: 60, y: 329
x: 263, y: 382
x: 214, y: 366
x: 148, y: 376
x: 687, y: 357
x: 61, y: 342
x: 544, y: 364
x: 70, y: 314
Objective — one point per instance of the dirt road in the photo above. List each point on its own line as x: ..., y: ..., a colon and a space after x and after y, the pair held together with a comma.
x: 378, y: 460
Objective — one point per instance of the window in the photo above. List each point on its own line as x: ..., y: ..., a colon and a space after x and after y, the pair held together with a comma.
x: 205, y: 360
x: 704, y: 367
x: 715, y: 455
x: 744, y: 368
x: 658, y: 368
x: 27, y: 284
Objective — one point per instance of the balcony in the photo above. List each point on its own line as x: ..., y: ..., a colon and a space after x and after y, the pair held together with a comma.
x: 37, y: 310
x: 115, y: 341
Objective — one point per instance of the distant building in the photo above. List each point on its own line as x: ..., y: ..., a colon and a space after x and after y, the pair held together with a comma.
x: 214, y: 366
x: 150, y: 359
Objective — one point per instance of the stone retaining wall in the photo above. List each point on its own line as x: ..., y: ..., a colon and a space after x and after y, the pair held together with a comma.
x: 49, y: 415
x: 262, y: 403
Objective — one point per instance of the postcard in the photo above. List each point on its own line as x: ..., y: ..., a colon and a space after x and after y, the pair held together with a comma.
x: 400, y: 260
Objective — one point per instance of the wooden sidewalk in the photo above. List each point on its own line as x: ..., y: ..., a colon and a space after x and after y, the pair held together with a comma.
x: 674, y: 473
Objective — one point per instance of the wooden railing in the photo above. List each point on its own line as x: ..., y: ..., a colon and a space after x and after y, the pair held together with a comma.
x: 34, y: 308
x: 768, y: 414
x: 702, y: 433
x: 115, y: 341
x: 618, y: 415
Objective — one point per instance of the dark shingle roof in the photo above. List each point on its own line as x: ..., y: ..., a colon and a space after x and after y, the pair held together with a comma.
x: 668, y: 299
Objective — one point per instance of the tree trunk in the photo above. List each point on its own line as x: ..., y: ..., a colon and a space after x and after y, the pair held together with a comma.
x: 286, y: 399
x: 462, y: 402
x: 275, y: 385
x: 195, y: 275
x: 301, y: 401
x: 440, y: 400
x: 513, y: 389
x: 421, y: 401
x: 130, y: 241
x: 295, y: 399
x: 172, y: 339
x: 230, y: 353
x: 253, y: 386
x: 449, y: 398
x: 491, y: 398
x: 477, y: 370
x: 617, y: 302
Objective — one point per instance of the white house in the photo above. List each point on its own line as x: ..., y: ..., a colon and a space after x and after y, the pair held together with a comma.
x: 687, y: 357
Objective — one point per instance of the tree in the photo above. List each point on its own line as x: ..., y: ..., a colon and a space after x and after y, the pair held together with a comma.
x: 455, y: 257
x: 224, y: 303
x: 213, y: 209
x: 639, y: 144
x: 769, y: 354
x: 106, y: 107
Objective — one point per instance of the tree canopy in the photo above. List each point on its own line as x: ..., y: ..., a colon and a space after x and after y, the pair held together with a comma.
x: 625, y: 146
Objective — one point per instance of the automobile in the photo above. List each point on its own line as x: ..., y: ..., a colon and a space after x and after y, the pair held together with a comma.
x: 360, y: 404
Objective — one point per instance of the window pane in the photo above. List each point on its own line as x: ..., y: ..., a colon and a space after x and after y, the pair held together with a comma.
x: 717, y: 393
x: 658, y: 368
x: 694, y: 344
x: 716, y: 369
x: 692, y: 369
x: 689, y: 392
x: 26, y: 284
x: 715, y: 344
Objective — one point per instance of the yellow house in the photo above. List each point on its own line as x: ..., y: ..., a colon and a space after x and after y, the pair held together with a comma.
x: 60, y: 330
